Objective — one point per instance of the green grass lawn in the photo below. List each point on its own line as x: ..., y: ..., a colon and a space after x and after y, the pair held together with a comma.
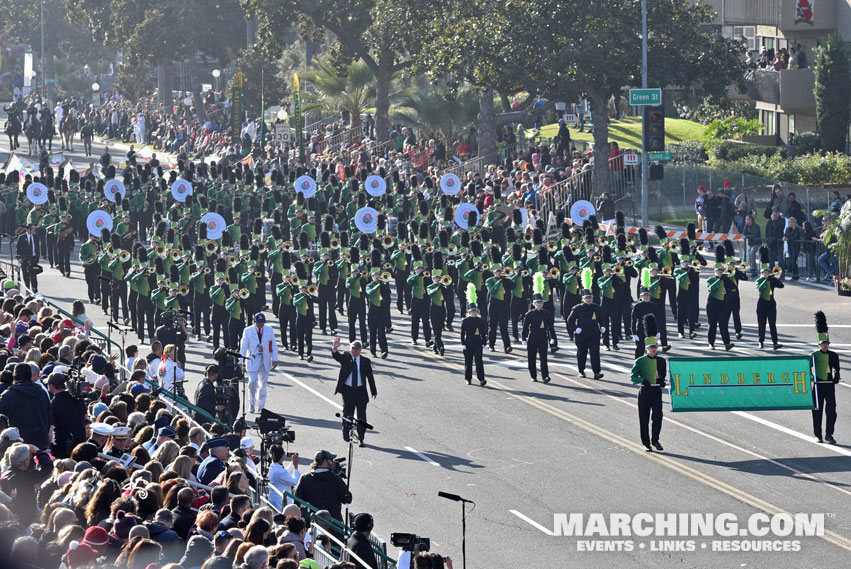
x: 627, y: 131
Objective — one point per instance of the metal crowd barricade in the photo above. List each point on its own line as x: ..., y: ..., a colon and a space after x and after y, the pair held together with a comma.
x: 335, y: 141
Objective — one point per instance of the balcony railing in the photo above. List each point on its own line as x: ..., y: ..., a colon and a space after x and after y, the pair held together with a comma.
x: 792, y: 89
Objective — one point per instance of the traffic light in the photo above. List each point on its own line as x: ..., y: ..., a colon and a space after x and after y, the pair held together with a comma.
x: 654, y: 129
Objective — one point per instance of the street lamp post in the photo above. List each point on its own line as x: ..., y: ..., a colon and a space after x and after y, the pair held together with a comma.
x: 95, y: 88
x: 216, y: 74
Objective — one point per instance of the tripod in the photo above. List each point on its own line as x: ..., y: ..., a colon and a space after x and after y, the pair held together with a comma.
x: 353, y: 437
x: 122, y: 330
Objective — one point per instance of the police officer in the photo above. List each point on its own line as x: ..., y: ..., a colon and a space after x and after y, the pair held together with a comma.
x: 826, y: 364
x: 650, y: 371
x: 473, y: 335
x: 119, y: 441
x: 537, y: 329
x: 585, y: 325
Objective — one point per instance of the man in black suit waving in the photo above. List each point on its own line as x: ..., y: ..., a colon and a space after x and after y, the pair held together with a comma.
x: 355, y: 371
x: 27, y: 251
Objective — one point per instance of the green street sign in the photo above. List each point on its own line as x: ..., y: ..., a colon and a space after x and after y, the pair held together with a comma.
x: 52, y: 80
x: 660, y: 156
x: 638, y: 97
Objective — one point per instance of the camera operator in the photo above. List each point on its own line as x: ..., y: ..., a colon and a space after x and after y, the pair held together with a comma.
x: 358, y: 543
x: 230, y: 374
x: 173, y: 331
x: 282, y: 478
x: 205, y: 395
x: 68, y: 416
x: 322, y: 487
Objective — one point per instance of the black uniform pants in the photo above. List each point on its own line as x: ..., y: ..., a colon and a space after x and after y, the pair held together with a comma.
x: 304, y: 335
x: 51, y: 248
x: 342, y: 294
x: 624, y: 311
x: 287, y: 318
x: 105, y: 280
x: 650, y: 411
x: 119, y: 295
x: 437, y: 316
x: 734, y: 303
x: 144, y: 315
x: 534, y: 349
x: 377, y: 329
x: 357, y: 313
x: 669, y: 289
x: 588, y: 344
x: 826, y: 398
x: 235, y: 328
x: 519, y: 308
x: 661, y: 321
x: 639, y: 347
x: 718, y: 315
x: 684, y: 312
x: 28, y: 265
x: 274, y: 282
x: 403, y: 291
x: 449, y: 305
x: 201, y: 313
x: 326, y: 308
x: 419, y: 314
x: 766, y: 311
x: 63, y: 254
x: 550, y: 307
x: 220, y: 326
x: 498, y: 310
x: 132, y: 301
x: 473, y: 352
x: 611, y: 321
x: 694, y: 307
x: 91, y: 273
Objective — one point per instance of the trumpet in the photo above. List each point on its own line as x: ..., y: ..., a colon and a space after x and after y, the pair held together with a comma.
x: 258, y: 274
x: 174, y: 254
x: 387, y: 241
x: 700, y: 248
x: 427, y: 274
x: 207, y: 270
x: 484, y: 267
x: 554, y: 273
x: 110, y: 250
x: 404, y: 246
x: 618, y: 270
x: 124, y: 256
x: 446, y: 280
x: 524, y: 273
x: 233, y: 260
x: 552, y: 246
x: 673, y: 246
x: 597, y: 258
x: 507, y: 271
x: 183, y: 290
x: 335, y: 244
x: 628, y: 263
x: 574, y: 248
x: 729, y: 271
x: 312, y: 290
x: 243, y: 293
x: 387, y: 266
x: 211, y: 246
x: 386, y: 276
x: 428, y: 249
x: 159, y: 250
x: 666, y: 271
x: 695, y: 264
x: 450, y: 262
x: 777, y: 271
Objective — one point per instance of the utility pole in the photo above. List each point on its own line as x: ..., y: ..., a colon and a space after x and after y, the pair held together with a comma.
x: 644, y: 162
x: 44, y: 84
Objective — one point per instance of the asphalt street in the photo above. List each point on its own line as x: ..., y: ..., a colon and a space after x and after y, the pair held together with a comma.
x: 526, y: 452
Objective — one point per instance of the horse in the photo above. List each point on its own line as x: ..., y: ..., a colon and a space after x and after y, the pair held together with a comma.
x: 13, y: 126
x: 47, y: 132
x: 33, y: 132
x: 68, y: 130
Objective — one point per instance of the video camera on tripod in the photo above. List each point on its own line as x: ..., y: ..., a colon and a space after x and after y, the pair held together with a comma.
x: 77, y: 385
x: 410, y: 542
x: 173, y: 318
x: 273, y: 428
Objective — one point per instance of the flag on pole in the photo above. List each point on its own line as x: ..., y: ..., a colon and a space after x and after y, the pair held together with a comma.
x: 299, y: 127
x: 236, y: 100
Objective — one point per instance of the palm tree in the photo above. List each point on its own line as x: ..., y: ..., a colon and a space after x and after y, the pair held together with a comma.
x: 446, y: 114
x: 352, y: 90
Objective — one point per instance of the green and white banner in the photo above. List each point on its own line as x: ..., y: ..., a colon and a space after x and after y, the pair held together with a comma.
x: 741, y: 384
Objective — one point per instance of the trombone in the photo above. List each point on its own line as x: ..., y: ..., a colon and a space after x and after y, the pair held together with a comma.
x: 211, y: 246
x: 174, y: 254
x: 730, y: 271
x: 446, y: 280
x: 618, y: 270
x: 574, y: 248
x: 743, y: 266
x: 261, y: 248
x: 427, y: 274
x: 124, y: 256
x: 183, y: 290
x: 695, y: 264
x: 628, y: 263
x: 386, y: 277
x: 335, y: 244
x: 666, y: 272
x: 507, y: 271
x: 159, y: 250
x: 554, y: 273
x: 258, y: 274
x: 243, y: 294
x: 110, y: 250
x: 312, y: 290
x: 777, y: 270
x: 387, y: 241
x: 288, y: 245
x: 452, y: 249
x: 602, y: 240
x: 387, y: 266
x: 526, y: 238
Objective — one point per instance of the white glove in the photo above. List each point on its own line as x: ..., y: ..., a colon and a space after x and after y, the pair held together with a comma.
x: 659, y: 336
x: 463, y: 346
x: 578, y: 331
x: 552, y: 342
x: 602, y: 329
x: 524, y: 342
x: 634, y: 337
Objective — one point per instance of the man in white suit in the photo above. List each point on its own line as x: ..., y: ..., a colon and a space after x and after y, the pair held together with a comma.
x: 261, y: 348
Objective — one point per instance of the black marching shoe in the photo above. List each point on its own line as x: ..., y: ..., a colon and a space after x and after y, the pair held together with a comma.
x: 830, y: 439
x: 309, y: 358
x: 657, y: 446
x: 729, y: 346
x: 666, y: 348
x: 414, y: 343
x: 778, y: 346
x: 692, y: 335
x: 442, y: 350
x: 819, y: 439
x: 762, y: 345
x: 738, y: 335
x: 483, y: 382
x: 712, y: 346
x: 598, y: 375
x: 429, y: 343
x: 616, y: 348
x: 507, y: 350
x: 546, y: 379
x: 534, y: 379
x: 383, y: 355
x: 362, y: 443
x: 582, y: 373
x: 469, y: 381
x: 647, y: 448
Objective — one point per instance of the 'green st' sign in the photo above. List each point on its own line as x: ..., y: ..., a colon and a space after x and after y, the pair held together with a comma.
x: 638, y: 97
x: 741, y: 384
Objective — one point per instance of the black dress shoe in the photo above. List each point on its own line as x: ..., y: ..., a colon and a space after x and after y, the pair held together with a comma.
x: 414, y: 343
x: 508, y: 350
x: 429, y: 343
x: 738, y: 335
x: 778, y: 346
x: 535, y: 379
x: 546, y: 379
x: 383, y: 355
x: 483, y: 382
x: 647, y: 448
x: 309, y: 358
x: 830, y: 439
x: 442, y: 350
x: 598, y: 375
x: 657, y: 446
x: 729, y: 347
x: 469, y: 382
x: 581, y: 373
x: 692, y: 335
x: 554, y: 349
x: 616, y: 348
x: 666, y: 348
x: 819, y: 439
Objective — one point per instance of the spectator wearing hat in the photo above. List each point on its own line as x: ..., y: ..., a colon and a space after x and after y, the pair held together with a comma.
x: 164, y: 434
x: 100, y: 435
x: 198, y: 550
x: 216, y: 463
x: 358, y: 543
x: 119, y: 441
x: 261, y: 348
x: 27, y: 406
x: 322, y: 487
x: 68, y: 416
